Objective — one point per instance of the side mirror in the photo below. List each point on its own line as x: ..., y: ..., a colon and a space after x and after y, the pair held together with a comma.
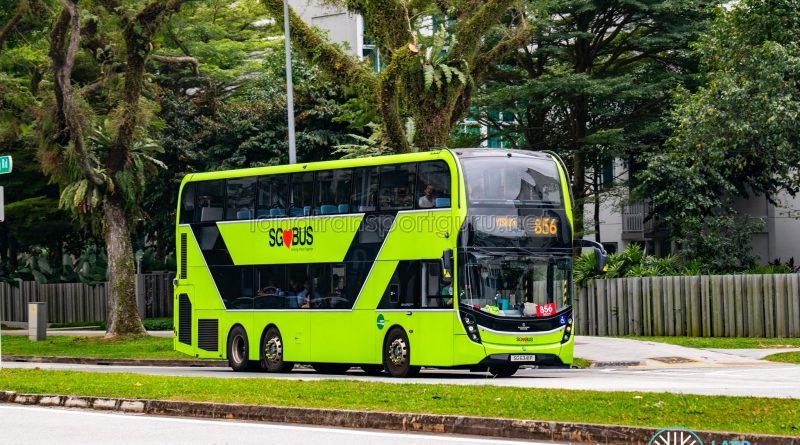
x: 601, y: 259
x: 447, y: 266
x: 600, y: 255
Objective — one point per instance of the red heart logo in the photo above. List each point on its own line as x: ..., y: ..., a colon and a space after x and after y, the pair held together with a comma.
x: 287, y: 238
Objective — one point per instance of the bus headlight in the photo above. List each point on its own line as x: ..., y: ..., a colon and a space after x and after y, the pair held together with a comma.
x: 471, y: 327
x: 567, y: 331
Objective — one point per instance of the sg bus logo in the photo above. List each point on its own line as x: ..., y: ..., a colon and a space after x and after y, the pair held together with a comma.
x: 296, y: 236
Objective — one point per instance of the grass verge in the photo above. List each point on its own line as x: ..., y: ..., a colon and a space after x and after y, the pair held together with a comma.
x: 581, y: 362
x: 785, y: 357
x: 96, y: 347
x: 725, y: 343
x: 735, y: 414
x: 151, y: 324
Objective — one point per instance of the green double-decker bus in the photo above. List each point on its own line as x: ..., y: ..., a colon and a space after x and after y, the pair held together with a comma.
x: 448, y: 258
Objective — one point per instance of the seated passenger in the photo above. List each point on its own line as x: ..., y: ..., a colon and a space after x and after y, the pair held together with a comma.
x: 427, y: 201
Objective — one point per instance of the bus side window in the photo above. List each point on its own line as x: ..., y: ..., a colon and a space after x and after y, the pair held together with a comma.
x: 403, y: 291
x: 241, y: 198
x: 273, y: 192
x: 333, y: 191
x: 301, y: 200
x: 433, y: 185
x: 435, y: 294
x: 365, y: 190
x: 210, y: 200
x: 397, y: 186
x: 187, y: 203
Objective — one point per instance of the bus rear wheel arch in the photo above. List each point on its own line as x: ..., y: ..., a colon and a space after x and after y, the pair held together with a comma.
x: 397, y: 354
x: 239, y: 350
x: 271, y: 352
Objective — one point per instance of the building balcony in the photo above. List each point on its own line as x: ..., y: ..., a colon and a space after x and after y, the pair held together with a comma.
x: 638, y: 224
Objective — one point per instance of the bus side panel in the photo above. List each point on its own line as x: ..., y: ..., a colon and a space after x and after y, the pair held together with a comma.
x: 466, y: 351
x: 567, y: 351
x: 432, y: 340
x: 293, y: 327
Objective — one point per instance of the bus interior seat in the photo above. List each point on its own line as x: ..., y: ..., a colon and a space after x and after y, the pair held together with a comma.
x: 276, y: 212
x: 442, y: 202
x: 344, y: 208
x: 295, y: 211
x: 262, y: 213
x: 210, y: 214
x: 244, y: 214
x: 327, y: 209
x: 306, y: 210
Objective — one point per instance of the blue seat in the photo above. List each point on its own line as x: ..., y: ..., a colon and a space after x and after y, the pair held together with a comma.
x: 276, y: 212
x: 306, y: 210
x: 243, y: 214
x: 327, y: 209
x: 344, y: 208
x: 442, y: 202
x: 262, y: 213
x: 295, y: 211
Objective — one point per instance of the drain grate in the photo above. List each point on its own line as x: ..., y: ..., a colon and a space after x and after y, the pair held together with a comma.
x: 673, y: 360
x: 619, y: 364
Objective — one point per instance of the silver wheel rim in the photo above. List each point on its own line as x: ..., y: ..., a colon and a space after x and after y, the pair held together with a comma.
x: 273, y: 350
x: 398, y: 352
x: 237, y: 349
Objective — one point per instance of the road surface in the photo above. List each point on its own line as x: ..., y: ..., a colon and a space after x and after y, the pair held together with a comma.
x: 32, y: 426
x: 773, y: 380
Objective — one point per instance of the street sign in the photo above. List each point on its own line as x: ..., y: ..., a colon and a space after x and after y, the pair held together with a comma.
x: 6, y: 164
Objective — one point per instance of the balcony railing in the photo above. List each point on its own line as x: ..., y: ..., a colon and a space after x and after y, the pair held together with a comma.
x: 637, y: 226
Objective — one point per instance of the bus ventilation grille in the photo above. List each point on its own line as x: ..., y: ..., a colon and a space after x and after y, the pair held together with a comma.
x: 184, y: 319
x: 207, y: 334
x: 183, y: 256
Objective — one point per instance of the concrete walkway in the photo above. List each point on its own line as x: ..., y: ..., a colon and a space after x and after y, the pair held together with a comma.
x: 622, y: 352
x: 79, y: 333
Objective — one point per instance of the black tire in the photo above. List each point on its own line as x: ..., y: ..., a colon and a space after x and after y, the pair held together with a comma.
x: 397, y: 354
x: 239, y: 351
x: 271, y: 352
x: 503, y: 370
x: 330, y: 368
x: 374, y: 370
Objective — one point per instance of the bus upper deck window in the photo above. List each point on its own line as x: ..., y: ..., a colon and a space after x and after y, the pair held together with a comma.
x: 187, y: 203
x: 210, y: 200
x: 433, y: 185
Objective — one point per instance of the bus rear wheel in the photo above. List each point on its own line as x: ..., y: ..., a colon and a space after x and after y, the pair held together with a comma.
x: 397, y: 354
x: 503, y: 370
x: 330, y: 368
x: 272, y: 352
x: 239, y: 351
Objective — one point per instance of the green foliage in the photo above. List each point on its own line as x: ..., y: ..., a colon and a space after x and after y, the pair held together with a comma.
x: 40, y: 265
x: 437, y: 69
x: 634, y: 262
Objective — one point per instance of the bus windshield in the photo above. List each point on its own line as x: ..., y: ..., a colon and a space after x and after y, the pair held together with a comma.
x: 515, y: 285
x: 502, y: 181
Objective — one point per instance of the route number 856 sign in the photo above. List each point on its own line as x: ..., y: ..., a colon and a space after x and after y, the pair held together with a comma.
x: 544, y: 226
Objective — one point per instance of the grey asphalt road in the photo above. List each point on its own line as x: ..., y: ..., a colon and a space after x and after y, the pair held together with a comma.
x: 32, y: 425
x: 770, y: 380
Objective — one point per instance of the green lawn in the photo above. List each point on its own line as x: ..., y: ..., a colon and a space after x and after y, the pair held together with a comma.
x: 775, y: 416
x: 725, y: 343
x: 785, y: 357
x: 151, y: 324
x: 98, y: 347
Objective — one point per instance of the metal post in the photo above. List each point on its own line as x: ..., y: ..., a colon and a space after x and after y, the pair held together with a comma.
x: 289, y: 85
x: 37, y: 321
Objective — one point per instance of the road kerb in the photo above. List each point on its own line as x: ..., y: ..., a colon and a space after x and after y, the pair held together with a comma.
x: 428, y: 423
x: 116, y: 361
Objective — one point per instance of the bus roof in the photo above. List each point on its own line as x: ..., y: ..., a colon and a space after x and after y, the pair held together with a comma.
x: 322, y: 165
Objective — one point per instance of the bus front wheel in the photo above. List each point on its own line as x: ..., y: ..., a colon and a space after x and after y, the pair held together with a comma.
x: 397, y: 354
x: 272, y: 352
x: 239, y: 350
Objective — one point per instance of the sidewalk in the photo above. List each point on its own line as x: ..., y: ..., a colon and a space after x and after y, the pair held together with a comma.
x: 621, y: 352
x: 78, y: 333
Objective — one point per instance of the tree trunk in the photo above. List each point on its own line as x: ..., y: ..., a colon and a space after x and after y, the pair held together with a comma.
x: 123, y: 312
